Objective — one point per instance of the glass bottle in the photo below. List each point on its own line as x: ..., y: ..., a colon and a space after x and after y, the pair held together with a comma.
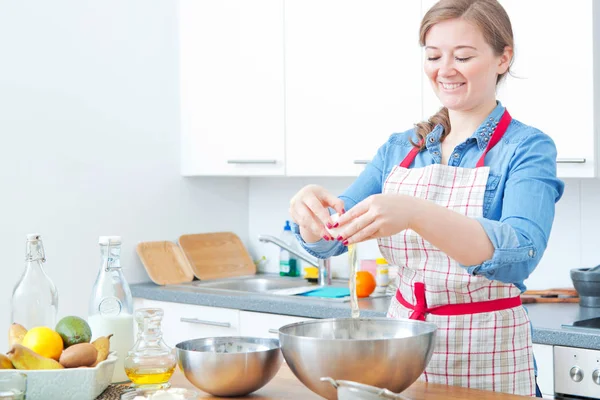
x: 150, y: 363
x: 111, y: 304
x: 35, y: 298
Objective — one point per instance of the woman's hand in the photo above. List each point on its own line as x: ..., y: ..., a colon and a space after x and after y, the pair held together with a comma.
x: 379, y: 215
x: 309, y: 209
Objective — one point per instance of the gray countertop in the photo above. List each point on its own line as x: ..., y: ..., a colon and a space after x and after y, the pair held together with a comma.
x: 547, y: 318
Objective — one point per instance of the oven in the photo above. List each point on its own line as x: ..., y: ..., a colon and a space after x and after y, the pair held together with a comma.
x: 577, y: 370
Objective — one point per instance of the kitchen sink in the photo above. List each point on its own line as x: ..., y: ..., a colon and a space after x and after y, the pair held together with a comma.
x: 265, y: 284
x: 255, y: 285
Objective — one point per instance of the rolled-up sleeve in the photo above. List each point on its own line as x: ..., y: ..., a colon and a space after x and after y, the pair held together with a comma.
x: 369, y: 182
x: 521, y: 234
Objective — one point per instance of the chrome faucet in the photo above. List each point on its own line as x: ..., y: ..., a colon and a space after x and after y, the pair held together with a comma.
x: 323, y: 265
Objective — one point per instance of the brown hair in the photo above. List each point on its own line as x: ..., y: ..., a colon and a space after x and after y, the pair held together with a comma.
x: 491, y: 19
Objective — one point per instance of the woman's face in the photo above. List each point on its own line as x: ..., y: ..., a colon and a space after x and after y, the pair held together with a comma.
x: 461, y: 66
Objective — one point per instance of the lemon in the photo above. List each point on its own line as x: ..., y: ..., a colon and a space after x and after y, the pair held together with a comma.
x: 44, y: 341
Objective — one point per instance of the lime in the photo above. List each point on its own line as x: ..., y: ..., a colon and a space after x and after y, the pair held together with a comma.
x: 73, y: 330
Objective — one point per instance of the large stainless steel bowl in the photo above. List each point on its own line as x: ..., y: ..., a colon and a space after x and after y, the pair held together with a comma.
x: 381, y: 352
x: 229, y: 366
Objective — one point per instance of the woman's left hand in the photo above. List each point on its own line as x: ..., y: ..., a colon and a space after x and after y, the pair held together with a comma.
x: 379, y: 215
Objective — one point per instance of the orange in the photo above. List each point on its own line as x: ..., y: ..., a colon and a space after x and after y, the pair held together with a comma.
x: 365, y: 283
x: 44, y: 341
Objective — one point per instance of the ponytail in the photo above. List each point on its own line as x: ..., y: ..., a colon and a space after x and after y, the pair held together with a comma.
x: 425, y: 127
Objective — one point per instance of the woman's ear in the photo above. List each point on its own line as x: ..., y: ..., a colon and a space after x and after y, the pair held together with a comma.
x: 505, y: 60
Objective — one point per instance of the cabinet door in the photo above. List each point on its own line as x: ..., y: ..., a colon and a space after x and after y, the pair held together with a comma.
x: 265, y: 325
x: 353, y: 70
x: 187, y: 321
x: 552, y: 87
x: 231, y: 81
x: 544, y: 359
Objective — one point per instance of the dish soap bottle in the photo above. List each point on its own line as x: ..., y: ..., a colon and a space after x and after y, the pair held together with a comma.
x: 288, y: 263
x: 111, y: 304
x: 35, y: 298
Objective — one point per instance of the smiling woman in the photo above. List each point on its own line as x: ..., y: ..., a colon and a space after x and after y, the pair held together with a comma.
x: 445, y: 202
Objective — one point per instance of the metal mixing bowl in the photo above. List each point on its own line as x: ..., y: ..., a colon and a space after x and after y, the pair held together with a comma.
x: 229, y: 366
x: 381, y: 352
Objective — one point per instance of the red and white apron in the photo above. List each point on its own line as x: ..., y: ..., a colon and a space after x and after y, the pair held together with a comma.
x: 483, y: 339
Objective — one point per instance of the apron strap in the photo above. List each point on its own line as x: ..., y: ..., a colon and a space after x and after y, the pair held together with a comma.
x: 496, y: 136
x: 420, y: 309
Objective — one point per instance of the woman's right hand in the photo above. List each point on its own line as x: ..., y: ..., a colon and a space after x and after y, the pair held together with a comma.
x: 309, y: 209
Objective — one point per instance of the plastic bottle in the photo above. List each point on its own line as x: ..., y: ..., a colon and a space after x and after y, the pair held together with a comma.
x: 111, y: 304
x: 35, y: 298
x: 288, y: 263
x: 382, y: 275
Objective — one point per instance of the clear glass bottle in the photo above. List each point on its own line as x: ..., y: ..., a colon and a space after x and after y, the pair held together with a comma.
x: 111, y: 304
x: 35, y: 298
x: 150, y: 363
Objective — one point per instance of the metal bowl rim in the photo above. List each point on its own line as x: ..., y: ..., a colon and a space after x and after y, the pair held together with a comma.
x: 272, y: 343
x: 432, y: 328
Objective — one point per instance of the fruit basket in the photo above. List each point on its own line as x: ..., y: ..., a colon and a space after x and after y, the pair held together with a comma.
x: 68, y: 383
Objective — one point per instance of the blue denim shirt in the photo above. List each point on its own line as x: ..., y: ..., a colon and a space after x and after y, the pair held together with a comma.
x: 519, y: 201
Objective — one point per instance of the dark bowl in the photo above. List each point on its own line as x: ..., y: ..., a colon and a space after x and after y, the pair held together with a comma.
x: 587, y: 283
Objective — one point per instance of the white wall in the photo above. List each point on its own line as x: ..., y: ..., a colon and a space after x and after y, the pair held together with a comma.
x: 573, y: 242
x: 90, y: 143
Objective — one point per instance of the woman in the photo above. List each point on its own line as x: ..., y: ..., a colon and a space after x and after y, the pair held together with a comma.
x: 462, y: 203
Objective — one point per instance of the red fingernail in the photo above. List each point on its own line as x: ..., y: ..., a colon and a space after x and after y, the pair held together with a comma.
x: 326, y: 237
x: 336, y: 225
x: 329, y: 226
x: 345, y: 243
x: 340, y: 238
x: 343, y: 210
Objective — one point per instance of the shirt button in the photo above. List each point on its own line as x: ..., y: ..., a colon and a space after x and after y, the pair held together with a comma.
x: 437, y: 153
x: 431, y: 139
x: 531, y: 253
x: 455, y: 155
x: 485, y: 139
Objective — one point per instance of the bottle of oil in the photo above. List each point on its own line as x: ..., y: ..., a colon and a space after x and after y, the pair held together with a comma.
x: 150, y: 363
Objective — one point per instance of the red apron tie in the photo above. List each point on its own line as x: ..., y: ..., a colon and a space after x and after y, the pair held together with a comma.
x: 420, y: 310
x: 494, y: 139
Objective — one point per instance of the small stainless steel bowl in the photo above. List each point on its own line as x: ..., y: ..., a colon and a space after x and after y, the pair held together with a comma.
x: 229, y: 366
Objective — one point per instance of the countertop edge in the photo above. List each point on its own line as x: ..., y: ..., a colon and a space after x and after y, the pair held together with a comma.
x: 321, y: 309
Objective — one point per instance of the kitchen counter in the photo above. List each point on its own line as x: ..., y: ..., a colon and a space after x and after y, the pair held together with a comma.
x: 547, y: 318
x: 285, y: 386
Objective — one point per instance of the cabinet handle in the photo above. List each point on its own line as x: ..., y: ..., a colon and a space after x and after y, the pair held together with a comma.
x: 251, y: 161
x: 570, y: 160
x: 202, y: 322
x: 361, y: 162
x: 275, y: 331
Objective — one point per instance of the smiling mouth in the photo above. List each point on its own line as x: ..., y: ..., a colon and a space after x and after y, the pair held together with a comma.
x: 450, y: 86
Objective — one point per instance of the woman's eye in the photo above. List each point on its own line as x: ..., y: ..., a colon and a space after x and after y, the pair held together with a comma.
x: 461, y: 59
x: 432, y: 58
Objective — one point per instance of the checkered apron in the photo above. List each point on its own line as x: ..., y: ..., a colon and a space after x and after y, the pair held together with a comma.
x: 483, y: 339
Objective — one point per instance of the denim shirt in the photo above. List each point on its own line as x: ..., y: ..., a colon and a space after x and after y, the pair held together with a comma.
x: 519, y: 199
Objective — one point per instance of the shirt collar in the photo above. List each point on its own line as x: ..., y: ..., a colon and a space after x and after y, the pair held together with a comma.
x: 482, y: 134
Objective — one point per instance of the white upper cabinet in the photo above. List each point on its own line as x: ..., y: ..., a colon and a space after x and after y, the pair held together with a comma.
x: 352, y: 76
x: 552, y: 82
x: 315, y: 87
x: 232, y: 89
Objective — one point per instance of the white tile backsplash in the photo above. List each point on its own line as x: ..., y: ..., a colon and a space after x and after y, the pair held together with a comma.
x: 571, y: 245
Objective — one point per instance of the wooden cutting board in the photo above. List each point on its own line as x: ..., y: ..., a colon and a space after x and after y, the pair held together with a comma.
x: 165, y: 262
x: 550, y: 296
x: 216, y: 255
